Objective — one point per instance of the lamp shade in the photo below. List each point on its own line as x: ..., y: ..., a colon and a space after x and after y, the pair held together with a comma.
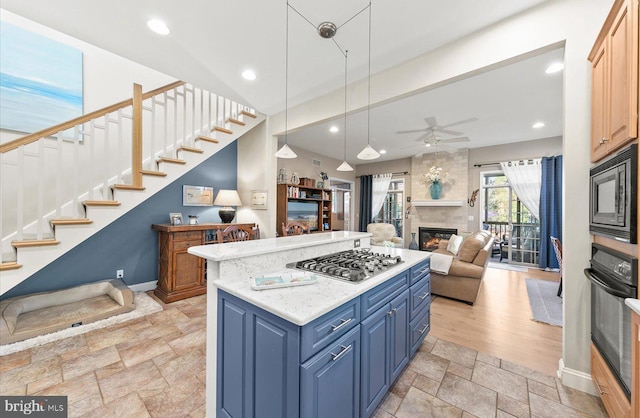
x: 344, y: 167
x: 368, y: 153
x: 285, y: 152
x: 227, y: 198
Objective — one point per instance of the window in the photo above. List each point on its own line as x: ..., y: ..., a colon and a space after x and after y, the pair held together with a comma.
x: 392, y: 211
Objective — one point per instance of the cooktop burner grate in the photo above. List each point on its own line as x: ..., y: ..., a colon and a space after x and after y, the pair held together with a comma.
x: 353, y: 265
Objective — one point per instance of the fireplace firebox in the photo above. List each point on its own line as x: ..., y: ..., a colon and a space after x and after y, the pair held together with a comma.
x: 430, y: 237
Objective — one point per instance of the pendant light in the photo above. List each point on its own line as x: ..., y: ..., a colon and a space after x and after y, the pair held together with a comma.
x: 368, y: 153
x: 345, y: 165
x: 285, y: 151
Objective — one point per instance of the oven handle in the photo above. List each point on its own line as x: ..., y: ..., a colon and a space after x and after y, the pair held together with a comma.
x: 615, y: 291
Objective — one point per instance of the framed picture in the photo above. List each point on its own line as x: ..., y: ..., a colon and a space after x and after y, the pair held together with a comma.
x: 259, y: 199
x: 197, y: 196
x: 176, y: 218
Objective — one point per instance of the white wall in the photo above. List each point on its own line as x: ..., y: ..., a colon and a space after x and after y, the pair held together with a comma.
x: 573, y: 24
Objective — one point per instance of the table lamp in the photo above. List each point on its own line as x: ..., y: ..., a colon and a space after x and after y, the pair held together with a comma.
x: 226, y: 199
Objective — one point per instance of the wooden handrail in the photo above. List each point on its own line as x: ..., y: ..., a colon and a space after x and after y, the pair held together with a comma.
x: 9, y: 146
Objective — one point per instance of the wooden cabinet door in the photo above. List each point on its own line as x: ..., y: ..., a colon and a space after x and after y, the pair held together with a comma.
x: 399, y: 335
x: 374, y: 372
x: 329, y: 381
x: 623, y: 76
x: 188, y: 269
x: 599, y: 107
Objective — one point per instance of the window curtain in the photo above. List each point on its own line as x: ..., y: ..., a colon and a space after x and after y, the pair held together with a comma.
x: 379, y: 194
x: 525, y: 178
x: 550, y: 210
x: 366, y: 190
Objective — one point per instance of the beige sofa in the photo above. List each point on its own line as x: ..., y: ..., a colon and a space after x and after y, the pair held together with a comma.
x: 467, y: 268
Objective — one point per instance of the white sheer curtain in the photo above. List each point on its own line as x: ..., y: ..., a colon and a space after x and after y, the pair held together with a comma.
x: 525, y: 177
x: 380, y: 188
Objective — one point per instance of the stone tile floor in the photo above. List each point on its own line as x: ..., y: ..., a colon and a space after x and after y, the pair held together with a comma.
x: 155, y: 366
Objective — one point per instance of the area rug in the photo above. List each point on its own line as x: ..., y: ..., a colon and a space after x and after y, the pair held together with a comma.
x: 546, y: 306
x: 504, y: 266
x: 145, y: 305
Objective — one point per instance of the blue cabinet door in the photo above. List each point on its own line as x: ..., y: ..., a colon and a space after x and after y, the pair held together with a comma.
x: 329, y: 381
x: 374, y: 375
x: 399, y: 335
x: 258, y: 362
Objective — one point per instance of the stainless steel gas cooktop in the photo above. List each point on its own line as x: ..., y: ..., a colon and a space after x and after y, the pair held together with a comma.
x: 351, y: 266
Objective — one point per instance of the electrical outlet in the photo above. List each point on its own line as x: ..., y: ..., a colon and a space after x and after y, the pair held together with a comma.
x: 119, y: 274
x: 356, y: 243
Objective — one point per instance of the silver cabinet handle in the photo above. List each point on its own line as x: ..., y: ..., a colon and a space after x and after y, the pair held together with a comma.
x: 423, y: 297
x: 421, y: 331
x: 390, y: 313
x: 343, y: 322
x: 394, y: 310
x: 345, y: 350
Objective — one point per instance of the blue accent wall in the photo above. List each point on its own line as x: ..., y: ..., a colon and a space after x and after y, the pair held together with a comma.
x: 129, y: 243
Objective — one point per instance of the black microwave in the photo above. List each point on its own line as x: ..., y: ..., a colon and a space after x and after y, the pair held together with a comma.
x: 613, y: 198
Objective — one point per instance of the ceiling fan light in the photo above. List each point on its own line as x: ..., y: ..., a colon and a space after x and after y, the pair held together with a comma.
x: 344, y: 167
x: 285, y: 152
x: 368, y: 153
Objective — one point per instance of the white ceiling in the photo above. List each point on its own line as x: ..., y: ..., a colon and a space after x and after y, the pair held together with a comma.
x: 213, y: 41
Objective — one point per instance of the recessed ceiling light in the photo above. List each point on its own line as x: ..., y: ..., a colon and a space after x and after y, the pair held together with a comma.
x: 538, y: 125
x: 382, y: 151
x: 554, y: 68
x: 333, y: 129
x: 249, y: 75
x: 158, y: 26
x: 427, y: 145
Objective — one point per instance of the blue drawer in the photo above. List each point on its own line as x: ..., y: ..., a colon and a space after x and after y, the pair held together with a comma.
x: 383, y: 294
x: 420, y: 270
x: 418, y: 329
x: 420, y: 295
x: 322, y: 331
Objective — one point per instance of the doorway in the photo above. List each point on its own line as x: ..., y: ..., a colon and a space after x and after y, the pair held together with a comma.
x: 341, y: 204
x: 515, y: 229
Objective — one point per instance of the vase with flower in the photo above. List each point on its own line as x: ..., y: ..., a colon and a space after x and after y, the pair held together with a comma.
x: 435, y: 178
x: 324, y: 177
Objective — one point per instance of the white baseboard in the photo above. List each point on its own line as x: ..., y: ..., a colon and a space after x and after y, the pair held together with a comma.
x: 576, y: 379
x: 144, y: 287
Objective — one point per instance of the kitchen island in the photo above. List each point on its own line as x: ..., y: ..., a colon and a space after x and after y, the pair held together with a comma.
x: 278, y: 351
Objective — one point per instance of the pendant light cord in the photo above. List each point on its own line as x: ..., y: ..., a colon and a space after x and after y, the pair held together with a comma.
x: 369, y: 83
x: 286, y: 81
x: 346, y: 58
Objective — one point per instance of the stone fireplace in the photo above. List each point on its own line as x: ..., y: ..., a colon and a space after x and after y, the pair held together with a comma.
x: 429, y: 238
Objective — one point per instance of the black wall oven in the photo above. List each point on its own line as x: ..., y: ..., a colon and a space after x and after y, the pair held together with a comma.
x: 614, y: 277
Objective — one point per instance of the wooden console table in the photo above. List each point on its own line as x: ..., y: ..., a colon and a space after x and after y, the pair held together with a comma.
x: 180, y: 274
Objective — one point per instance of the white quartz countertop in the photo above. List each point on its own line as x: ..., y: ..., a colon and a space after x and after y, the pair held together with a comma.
x: 634, y: 304
x: 302, y: 304
x: 234, y: 250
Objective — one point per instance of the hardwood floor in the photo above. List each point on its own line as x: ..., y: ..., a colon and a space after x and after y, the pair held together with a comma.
x: 500, y: 323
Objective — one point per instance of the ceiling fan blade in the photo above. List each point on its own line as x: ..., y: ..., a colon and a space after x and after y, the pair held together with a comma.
x: 411, y: 131
x: 450, y: 150
x: 453, y: 140
x: 431, y: 121
x: 448, y: 132
x: 460, y: 122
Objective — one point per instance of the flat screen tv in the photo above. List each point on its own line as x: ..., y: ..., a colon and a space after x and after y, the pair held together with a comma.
x: 304, y: 212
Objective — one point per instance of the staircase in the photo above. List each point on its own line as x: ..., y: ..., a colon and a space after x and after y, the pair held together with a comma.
x: 65, y: 183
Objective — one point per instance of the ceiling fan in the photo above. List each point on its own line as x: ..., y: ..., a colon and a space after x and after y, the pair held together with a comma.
x: 433, y: 128
x: 434, y: 143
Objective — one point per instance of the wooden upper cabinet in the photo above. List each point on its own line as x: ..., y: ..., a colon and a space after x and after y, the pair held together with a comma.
x: 614, y: 59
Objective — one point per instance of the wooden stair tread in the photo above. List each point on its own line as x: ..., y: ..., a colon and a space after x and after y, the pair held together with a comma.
x: 9, y: 265
x: 191, y: 149
x: 251, y: 115
x: 223, y: 130
x: 127, y: 187
x: 171, y: 160
x: 207, y: 139
x: 153, y: 173
x: 236, y: 121
x: 34, y: 243
x: 71, y: 221
x: 101, y: 203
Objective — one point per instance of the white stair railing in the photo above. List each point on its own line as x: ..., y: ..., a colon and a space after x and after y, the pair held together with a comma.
x: 49, y: 174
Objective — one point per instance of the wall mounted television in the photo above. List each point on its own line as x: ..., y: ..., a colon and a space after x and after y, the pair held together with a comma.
x: 304, y: 212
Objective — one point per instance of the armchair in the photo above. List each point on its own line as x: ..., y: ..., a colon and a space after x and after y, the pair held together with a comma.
x: 384, y: 235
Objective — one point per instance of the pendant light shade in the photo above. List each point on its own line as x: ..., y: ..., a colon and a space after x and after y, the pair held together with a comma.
x: 344, y: 167
x: 285, y: 152
x: 368, y: 153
